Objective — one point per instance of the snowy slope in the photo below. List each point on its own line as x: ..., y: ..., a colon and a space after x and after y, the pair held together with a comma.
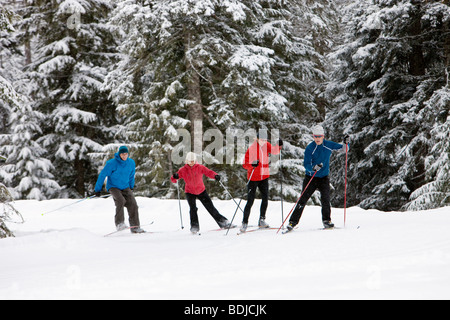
x: 64, y: 255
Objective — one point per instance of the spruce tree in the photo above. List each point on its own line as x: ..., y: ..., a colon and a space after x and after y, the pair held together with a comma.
x: 435, y: 192
x: 72, y: 51
x: 392, y: 62
x: 9, y: 98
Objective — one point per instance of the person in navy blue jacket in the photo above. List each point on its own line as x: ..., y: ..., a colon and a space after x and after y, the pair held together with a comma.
x: 317, y: 161
x: 120, y: 172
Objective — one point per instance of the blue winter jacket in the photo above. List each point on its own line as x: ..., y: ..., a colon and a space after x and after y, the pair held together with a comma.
x: 317, y: 154
x: 120, y: 174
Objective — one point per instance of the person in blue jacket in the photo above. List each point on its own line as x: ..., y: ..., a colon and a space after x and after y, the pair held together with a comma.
x: 120, y: 172
x: 317, y: 161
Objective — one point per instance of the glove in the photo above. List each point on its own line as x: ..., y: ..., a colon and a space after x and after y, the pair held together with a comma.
x: 176, y: 176
x: 317, y: 167
x: 255, y: 163
x: 280, y: 142
x: 347, y: 139
x: 217, y: 177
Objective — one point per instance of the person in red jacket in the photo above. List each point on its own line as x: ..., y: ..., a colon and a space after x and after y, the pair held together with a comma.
x: 192, y: 173
x: 256, y: 162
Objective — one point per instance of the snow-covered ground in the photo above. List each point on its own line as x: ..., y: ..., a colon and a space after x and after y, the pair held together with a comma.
x: 64, y: 255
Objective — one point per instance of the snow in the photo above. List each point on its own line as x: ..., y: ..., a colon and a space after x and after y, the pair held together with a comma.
x: 64, y: 255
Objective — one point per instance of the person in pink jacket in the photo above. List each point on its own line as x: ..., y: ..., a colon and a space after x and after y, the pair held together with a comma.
x: 192, y: 174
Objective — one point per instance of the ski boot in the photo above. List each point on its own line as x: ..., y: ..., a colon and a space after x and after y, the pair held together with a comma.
x: 244, y: 227
x: 137, y: 230
x: 195, y: 229
x: 262, y: 224
x: 121, y: 226
x: 327, y: 224
x: 289, y: 228
x: 227, y: 225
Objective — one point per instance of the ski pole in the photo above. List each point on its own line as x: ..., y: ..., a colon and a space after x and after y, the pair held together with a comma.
x: 281, y: 174
x: 240, y: 202
x: 230, y: 195
x: 345, y: 185
x: 70, y: 204
x: 179, y: 205
x: 297, y: 201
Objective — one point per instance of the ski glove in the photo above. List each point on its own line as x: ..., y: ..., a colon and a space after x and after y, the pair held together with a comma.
x: 346, y: 139
x: 255, y: 163
x: 217, y: 177
x: 280, y: 142
x: 317, y: 167
x: 176, y: 176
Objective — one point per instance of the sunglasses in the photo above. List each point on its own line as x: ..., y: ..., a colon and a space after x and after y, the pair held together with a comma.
x: 320, y: 136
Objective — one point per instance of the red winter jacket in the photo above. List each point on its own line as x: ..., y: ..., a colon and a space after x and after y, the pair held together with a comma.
x: 261, y: 153
x: 193, y: 177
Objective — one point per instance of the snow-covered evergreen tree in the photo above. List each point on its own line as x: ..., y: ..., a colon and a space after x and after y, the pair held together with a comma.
x: 72, y: 51
x: 435, y: 192
x: 8, y: 95
x: 391, y: 64
x: 9, y: 98
x: 27, y: 172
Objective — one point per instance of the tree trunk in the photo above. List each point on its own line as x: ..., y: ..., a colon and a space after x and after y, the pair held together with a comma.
x: 447, y: 52
x: 81, y: 172
x: 194, y: 94
x: 416, y: 59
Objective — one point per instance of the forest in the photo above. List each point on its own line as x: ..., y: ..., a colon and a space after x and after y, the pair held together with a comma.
x: 79, y: 78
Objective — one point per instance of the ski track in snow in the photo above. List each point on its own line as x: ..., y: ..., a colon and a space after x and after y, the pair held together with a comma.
x: 64, y: 255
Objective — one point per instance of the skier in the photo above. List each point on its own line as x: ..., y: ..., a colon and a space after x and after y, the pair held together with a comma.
x: 256, y: 162
x: 192, y: 173
x: 120, y: 172
x: 317, y: 161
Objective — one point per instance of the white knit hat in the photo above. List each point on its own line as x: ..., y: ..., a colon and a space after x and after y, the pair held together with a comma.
x: 191, y: 157
x: 318, y: 131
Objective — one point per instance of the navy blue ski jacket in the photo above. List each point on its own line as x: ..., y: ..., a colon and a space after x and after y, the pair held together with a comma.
x: 317, y: 154
x: 120, y: 174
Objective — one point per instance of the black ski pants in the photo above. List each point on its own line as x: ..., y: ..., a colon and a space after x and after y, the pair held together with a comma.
x: 125, y: 198
x: 321, y: 184
x: 263, y: 187
x: 209, y: 206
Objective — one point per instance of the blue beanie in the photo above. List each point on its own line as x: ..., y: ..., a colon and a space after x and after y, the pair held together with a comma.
x: 123, y: 149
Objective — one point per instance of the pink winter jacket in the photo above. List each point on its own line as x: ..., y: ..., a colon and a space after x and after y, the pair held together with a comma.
x: 193, y: 177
